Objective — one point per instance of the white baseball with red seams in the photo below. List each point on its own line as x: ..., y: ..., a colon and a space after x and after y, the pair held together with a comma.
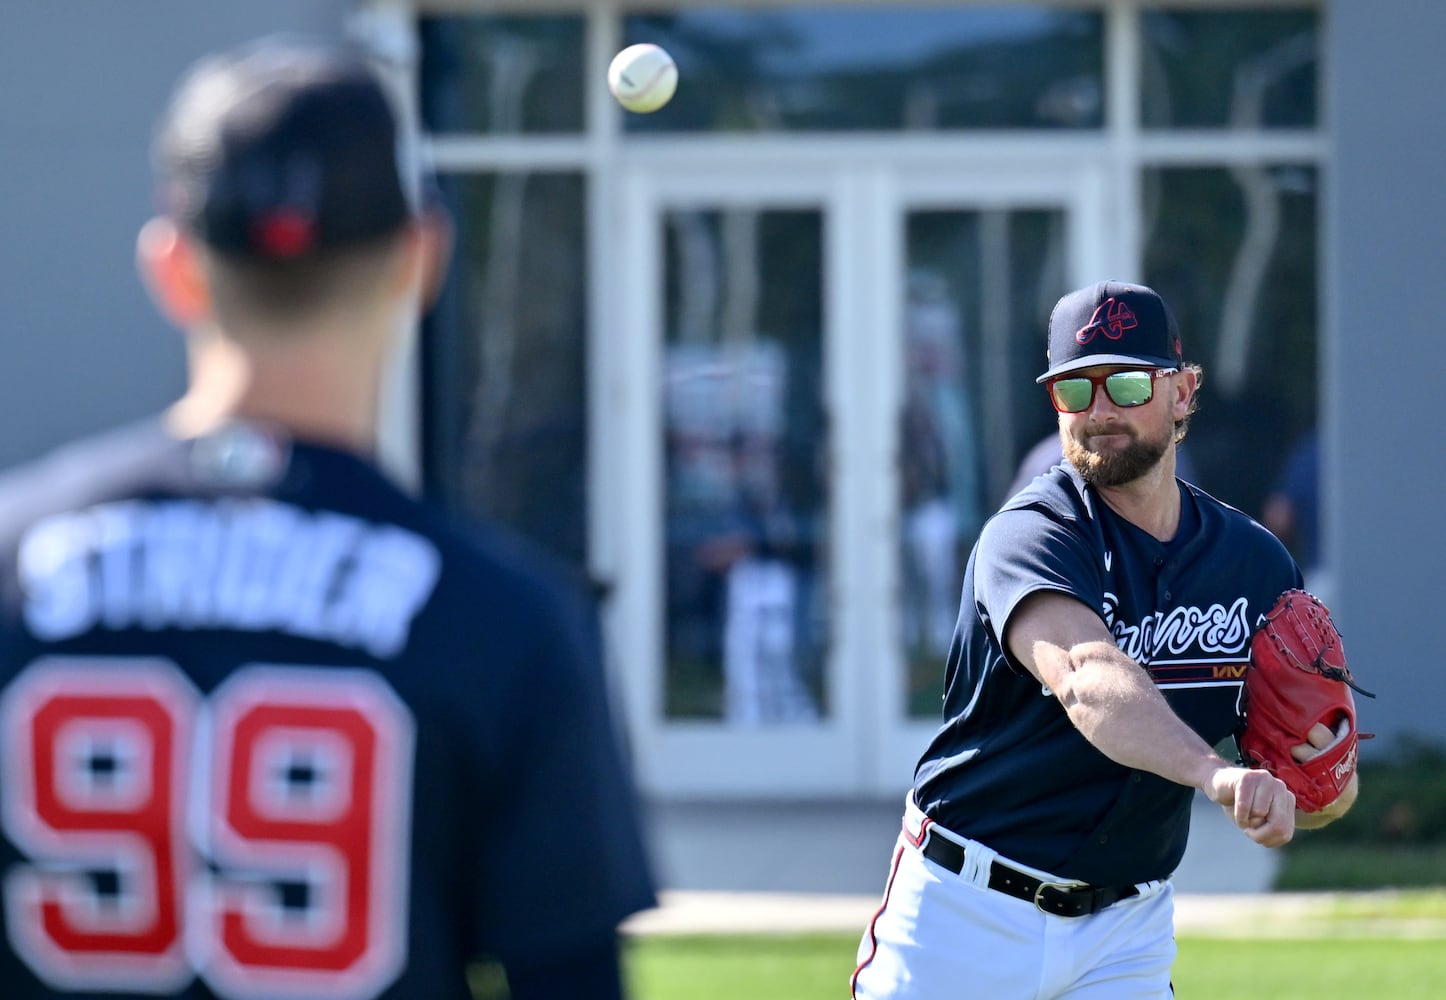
x: 643, y: 77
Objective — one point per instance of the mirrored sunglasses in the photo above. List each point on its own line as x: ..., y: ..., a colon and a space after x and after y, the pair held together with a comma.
x: 1076, y: 393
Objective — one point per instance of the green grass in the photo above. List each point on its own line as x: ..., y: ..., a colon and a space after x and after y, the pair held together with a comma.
x: 1369, y: 945
x: 730, y: 967
x: 817, y: 967
x: 1321, y: 969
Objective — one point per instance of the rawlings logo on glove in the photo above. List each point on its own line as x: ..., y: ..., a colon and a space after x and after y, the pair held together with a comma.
x: 1297, y: 679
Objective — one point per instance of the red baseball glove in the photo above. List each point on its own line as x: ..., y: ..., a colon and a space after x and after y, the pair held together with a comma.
x: 1297, y: 678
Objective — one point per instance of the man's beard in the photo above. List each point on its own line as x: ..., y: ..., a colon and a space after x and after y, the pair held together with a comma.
x: 1116, y: 467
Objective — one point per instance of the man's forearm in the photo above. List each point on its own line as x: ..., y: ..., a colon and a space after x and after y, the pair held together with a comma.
x: 1117, y: 707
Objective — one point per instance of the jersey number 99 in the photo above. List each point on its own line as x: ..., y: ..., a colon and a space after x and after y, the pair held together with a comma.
x: 294, y: 783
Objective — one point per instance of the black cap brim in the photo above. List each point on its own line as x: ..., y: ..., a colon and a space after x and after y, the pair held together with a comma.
x: 1099, y: 360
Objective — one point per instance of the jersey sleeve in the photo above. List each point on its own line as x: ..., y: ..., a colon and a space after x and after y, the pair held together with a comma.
x: 1025, y: 550
x: 565, y: 861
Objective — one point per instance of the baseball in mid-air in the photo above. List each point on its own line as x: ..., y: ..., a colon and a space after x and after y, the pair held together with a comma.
x: 643, y: 77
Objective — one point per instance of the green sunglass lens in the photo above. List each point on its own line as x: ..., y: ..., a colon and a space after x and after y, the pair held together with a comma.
x: 1129, y: 388
x: 1073, y: 394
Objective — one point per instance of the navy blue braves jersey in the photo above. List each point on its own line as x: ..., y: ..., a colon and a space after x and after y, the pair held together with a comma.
x: 1008, y: 768
x: 273, y: 728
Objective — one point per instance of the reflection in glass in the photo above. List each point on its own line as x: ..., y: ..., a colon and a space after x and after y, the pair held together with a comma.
x: 744, y: 446
x: 1233, y: 250
x: 939, y: 472
x: 1230, y: 68
x: 505, y: 356
x: 847, y: 68
x: 502, y: 75
x: 980, y: 285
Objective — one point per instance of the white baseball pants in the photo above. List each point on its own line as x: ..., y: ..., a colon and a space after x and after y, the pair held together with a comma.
x: 942, y: 936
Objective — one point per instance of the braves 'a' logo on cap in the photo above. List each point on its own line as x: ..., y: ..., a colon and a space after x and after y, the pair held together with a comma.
x: 1112, y: 318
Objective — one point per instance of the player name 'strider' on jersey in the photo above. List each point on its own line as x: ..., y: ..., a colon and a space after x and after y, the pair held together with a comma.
x: 250, y: 564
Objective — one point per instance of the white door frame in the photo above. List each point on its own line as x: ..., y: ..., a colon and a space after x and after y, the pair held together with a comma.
x: 865, y: 745
x: 693, y: 758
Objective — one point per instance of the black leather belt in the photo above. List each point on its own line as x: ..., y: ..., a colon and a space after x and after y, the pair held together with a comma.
x: 1063, y: 899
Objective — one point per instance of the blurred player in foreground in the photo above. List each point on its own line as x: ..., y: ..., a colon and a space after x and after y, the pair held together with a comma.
x: 271, y: 727
x: 1098, y: 658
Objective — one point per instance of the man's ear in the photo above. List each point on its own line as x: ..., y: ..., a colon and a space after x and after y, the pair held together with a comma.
x: 436, y: 234
x: 1186, y: 385
x: 172, y: 273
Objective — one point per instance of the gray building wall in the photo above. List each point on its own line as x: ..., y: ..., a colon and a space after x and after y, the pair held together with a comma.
x: 1385, y: 281
x: 81, y: 83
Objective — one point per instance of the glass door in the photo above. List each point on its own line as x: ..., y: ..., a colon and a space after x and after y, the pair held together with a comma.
x: 980, y: 260
x: 727, y: 422
x: 817, y: 383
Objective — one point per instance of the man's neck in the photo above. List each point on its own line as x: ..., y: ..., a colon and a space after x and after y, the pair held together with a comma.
x: 311, y: 389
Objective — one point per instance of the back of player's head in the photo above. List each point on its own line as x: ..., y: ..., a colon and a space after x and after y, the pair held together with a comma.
x: 282, y: 149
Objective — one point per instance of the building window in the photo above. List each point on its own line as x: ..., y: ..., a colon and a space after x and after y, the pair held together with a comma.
x: 506, y: 360
x: 855, y: 68
x: 1233, y: 249
x: 1238, y: 69
x: 503, y: 75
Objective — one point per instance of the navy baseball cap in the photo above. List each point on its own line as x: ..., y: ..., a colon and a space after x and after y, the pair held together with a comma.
x: 281, y: 148
x: 1112, y: 323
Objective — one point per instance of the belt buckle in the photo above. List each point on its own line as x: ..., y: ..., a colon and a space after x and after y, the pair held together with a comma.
x: 1063, y: 887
